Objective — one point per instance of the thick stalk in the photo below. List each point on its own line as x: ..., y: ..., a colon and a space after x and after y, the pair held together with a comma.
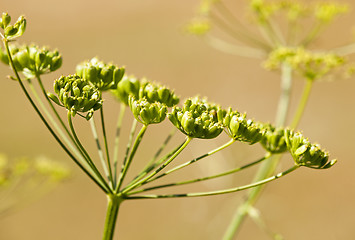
x: 267, y: 168
x: 113, y: 205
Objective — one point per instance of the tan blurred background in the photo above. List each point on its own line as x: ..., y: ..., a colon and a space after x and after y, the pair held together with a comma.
x: 147, y: 37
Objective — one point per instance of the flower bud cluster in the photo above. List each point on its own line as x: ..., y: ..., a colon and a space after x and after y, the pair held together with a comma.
x: 327, y: 11
x: 242, y: 129
x: 310, y: 65
x: 103, y: 76
x: 34, y: 61
x: 198, y: 118
x: 154, y: 92
x: 128, y: 86
x: 274, y: 139
x: 12, y: 31
x: 306, y: 154
x: 198, y: 26
x: 147, y: 112
x: 76, y: 95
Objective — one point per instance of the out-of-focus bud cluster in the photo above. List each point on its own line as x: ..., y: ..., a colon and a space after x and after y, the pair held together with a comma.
x: 242, y: 129
x: 198, y: 118
x: 33, y: 60
x: 146, y: 112
x: 274, y: 139
x: 128, y: 86
x: 12, y: 31
x: 103, y: 76
x: 76, y: 95
x: 327, y: 11
x: 306, y: 154
x: 198, y: 26
x: 311, y: 65
x: 23, y: 178
x: 263, y: 10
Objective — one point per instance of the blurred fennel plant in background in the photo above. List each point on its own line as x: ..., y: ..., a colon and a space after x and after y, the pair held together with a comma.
x: 23, y: 180
x: 281, y: 33
x: 80, y: 95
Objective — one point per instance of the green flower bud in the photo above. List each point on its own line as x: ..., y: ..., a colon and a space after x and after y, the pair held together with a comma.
x: 5, y: 20
x: 103, y: 76
x: 13, y: 31
x: 197, y: 119
x: 76, y: 95
x: 154, y: 92
x: 306, y: 154
x: 146, y: 112
x: 274, y: 139
x: 128, y: 86
x: 241, y: 129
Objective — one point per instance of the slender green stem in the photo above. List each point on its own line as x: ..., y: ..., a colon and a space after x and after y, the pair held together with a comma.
x: 117, y: 141
x: 229, y: 16
x: 204, y: 178
x: 152, y: 162
x: 302, y: 104
x: 313, y: 34
x: 113, y: 205
x: 76, y: 150
x: 131, y: 155
x: 86, y: 171
x: 234, y: 49
x: 267, y: 168
x: 193, y: 160
x: 106, y: 144
x: 153, y: 166
x: 237, y: 35
x: 224, y: 191
x: 99, y: 149
x: 166, y: 163
x: 87, y: 156
x: 54, y: 110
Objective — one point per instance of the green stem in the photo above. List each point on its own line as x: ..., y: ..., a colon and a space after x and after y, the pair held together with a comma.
x: 152, y: 162
x: 224, y: 191
x: 267, y: 168
x: 204, y: 178
x: 144, y: 180
x: 86, y: 171
x: 106, y: 144
x: 193, y: 160
x: 113, y: 205
x: 117, y: 141
x: 85, y: 153
x: 55, y: 111
x: 153, y: 166
x: 99, y: 149
x: 131, y: 156
x: 302, y: 104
